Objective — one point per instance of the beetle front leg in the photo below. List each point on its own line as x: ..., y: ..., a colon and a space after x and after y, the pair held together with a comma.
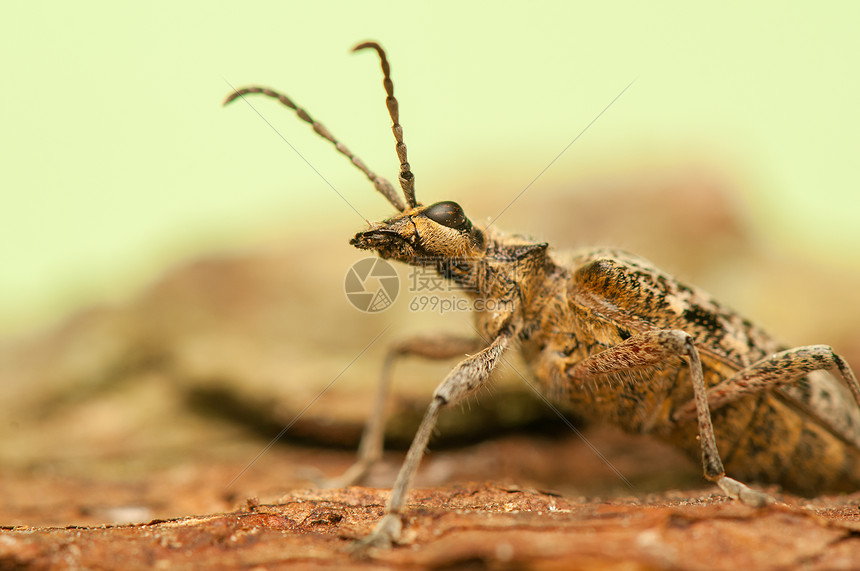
x: 434, y: 347
x: 655, y: 347
x: 467, y: 377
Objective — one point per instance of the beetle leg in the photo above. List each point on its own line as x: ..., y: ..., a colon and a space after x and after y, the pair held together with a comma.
x: 436, y: 347
x: 467, y: 377
x: 780, y: 369
x: 652, y: 348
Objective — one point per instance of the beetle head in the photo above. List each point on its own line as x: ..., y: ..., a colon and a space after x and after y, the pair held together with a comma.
x: 422, y: 233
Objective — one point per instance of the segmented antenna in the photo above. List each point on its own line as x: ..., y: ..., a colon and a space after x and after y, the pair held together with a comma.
x: 381, y: 184
x: 407, y: 179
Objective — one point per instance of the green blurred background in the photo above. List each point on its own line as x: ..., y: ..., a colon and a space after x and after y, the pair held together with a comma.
x: 118, y: 160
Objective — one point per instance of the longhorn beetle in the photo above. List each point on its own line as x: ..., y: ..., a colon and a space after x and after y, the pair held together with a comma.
x: 615, y: 339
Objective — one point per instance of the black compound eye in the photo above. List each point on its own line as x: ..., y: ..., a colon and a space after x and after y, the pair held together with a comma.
x: 448, y: 214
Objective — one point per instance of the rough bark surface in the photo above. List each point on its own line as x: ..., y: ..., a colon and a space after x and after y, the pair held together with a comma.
x: 462, y: 527
x: 139, y: 436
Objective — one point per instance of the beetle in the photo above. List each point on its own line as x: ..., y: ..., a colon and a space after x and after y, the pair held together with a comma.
x: 610, y: 336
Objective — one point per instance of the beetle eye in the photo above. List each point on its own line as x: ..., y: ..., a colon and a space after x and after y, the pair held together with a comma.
x: 448, y: 214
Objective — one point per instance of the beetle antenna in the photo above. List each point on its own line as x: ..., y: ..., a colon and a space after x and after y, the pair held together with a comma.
x: 407, y: 179
x: 381, y: 184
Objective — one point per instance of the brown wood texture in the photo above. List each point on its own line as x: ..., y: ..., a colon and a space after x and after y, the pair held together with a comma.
x: 124, y: 428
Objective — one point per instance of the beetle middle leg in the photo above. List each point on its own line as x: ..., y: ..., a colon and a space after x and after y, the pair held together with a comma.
x: 653, y: 348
